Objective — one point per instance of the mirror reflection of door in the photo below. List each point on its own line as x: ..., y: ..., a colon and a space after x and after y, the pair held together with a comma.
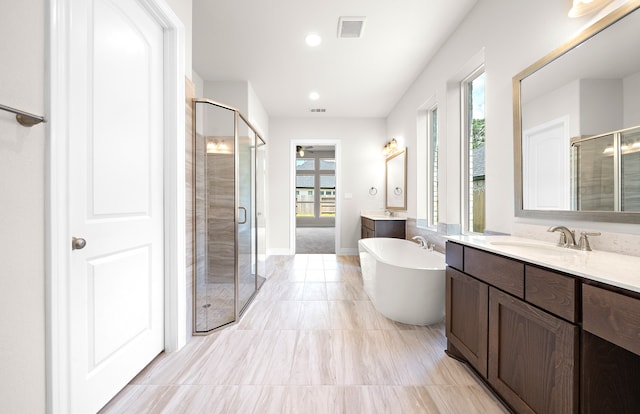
x: 315, y: 199
x: 545, y: 166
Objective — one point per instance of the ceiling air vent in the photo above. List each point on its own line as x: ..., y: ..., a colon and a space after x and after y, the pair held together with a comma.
x: 318, y: 110
x: 350, y: 27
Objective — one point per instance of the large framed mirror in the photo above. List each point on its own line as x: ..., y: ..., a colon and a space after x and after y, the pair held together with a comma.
x: 396, y: 181
x: 576, y: 146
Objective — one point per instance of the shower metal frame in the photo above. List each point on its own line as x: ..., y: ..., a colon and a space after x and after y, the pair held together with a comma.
x: 237, y: 115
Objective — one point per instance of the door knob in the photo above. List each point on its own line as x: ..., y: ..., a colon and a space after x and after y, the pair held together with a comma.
x: 78, y: 243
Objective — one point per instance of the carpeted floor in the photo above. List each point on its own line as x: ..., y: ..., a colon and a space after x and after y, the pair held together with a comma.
x: 315, y: 240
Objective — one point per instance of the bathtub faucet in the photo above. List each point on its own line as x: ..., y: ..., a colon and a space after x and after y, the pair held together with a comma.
x: 421, y: 241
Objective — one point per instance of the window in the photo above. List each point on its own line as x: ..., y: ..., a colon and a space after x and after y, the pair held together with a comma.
x: 316, y: 188
x: 473, y: 89
x: 433, y: 166
x: 305, y: 200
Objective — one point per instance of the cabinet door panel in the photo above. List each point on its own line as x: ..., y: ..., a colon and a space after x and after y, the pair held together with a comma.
x: 532, y: 356
x: 466, y: 321
x: 610, y: 377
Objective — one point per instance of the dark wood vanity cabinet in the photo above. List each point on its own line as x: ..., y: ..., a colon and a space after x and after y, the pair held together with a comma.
x: 382, y: 228
x: 526, y: 352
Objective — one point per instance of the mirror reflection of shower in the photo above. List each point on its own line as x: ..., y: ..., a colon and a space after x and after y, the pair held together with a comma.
x: 228, y: 165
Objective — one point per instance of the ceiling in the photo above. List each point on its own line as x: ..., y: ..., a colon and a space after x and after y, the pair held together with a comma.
x: 263, y: 42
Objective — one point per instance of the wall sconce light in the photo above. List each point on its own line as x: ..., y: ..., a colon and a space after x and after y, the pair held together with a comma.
x: 390, y: 147
x: 215, y: 146
x: 584, y: 7
x: 300, y: 150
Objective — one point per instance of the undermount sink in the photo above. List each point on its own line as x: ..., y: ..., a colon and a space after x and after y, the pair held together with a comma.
x: 537, y: 248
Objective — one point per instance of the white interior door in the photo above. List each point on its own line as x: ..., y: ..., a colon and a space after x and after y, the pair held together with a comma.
x: 545, y: 166
x: 116, y: 285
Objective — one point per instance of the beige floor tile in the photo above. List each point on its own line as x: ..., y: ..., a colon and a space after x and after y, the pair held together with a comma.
x: 256, y: 316
x: 471, y: 399
x: 316, y: 275
x: 272, y: 360
x: 291, y: 291
x: 344, y: 291
x: 313, y: 361
x: 362, y: 358
x: 140, y: 399
x: 387, y: 400
x: 309, y: 346
x: 297, y: 275
x: 284, y: 315
x: 353, y: 315
x: 333, y: 275
x: 315, y: 315
x: 295, y: 400
x: 198, y: 399
x: 314, y: 291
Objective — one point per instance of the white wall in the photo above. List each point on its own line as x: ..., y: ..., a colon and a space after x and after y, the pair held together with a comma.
x: 240, y: 95
x: 631, y: 87
x: 361, y: 167
x: 22, y: 155
x: 513, y: 35
x: 601, y: 106
x: 184, y: 10
x: 564, y: 101
x: 257, y: 114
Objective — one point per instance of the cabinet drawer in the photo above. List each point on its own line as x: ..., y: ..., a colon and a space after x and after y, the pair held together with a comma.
x: 390, y: 228
x: 453, y: 255
x: 612, y: 316
x: 552, y: 291
x: 503, y: 273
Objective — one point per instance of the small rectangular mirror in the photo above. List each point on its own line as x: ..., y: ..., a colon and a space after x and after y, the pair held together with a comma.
x: 396, y: 181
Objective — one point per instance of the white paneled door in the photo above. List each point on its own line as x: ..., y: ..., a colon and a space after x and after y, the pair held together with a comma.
x: 116, y: 286
x: 546, y: 169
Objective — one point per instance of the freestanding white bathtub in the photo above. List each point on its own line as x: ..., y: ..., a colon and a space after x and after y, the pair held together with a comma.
x: 405, y: 282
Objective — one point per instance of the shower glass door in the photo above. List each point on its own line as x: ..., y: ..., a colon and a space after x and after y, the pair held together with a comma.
x: 227, y: 216
x: 214, y: 227
x: 246, y: 231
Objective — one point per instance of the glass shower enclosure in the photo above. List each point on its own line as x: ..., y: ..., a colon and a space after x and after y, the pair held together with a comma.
x: 229, y: 231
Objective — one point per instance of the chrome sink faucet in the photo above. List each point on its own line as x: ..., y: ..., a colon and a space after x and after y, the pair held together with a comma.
x: 567, y: 237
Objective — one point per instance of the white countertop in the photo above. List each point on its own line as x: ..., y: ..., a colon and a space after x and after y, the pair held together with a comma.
x: 610, y: 268
x: 382, y: 217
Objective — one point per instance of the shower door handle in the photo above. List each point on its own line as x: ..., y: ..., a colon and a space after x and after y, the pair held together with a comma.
x: 244, y: 220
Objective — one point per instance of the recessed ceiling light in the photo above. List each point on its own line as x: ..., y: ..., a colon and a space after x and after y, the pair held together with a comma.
x: 313, y: 39
x: 314, y: 96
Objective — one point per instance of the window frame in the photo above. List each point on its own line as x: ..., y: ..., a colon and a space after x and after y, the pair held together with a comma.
x: 466, y: 125
x: 433, y: 173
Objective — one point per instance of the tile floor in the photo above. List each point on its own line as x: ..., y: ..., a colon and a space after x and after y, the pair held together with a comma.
x: 311, y: 342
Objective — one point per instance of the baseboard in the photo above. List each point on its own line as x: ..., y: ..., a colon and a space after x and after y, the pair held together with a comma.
x: 349, y: 251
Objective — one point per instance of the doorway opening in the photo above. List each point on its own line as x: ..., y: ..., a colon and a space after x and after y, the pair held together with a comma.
x: 315, y: 198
